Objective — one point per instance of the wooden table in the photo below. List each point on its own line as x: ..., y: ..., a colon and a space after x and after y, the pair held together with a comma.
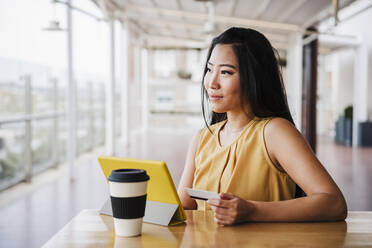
x: 90, y: 229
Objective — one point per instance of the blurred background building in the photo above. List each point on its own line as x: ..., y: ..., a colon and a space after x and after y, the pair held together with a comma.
x: 84, y: 78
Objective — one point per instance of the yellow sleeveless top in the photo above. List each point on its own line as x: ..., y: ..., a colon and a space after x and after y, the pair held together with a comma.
x: 242, y: 168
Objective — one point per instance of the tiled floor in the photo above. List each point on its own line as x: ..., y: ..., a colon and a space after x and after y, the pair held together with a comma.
x: 351, y: 168
x: 30, y: 219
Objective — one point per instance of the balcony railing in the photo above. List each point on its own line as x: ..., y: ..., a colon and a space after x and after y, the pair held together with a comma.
x: 32, y: 142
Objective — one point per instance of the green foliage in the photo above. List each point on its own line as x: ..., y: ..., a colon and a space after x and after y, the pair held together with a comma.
x: 348, y: 112
x: 282, y: 62
x: 184, y: 75
x: 9, y: 165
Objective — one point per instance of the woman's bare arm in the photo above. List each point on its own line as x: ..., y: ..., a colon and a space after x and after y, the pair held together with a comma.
x: 288, y: 149
x: 188, y: 174
x: 324, y: 200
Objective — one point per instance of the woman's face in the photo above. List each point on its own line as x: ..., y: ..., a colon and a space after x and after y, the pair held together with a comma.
x: 222, y: 80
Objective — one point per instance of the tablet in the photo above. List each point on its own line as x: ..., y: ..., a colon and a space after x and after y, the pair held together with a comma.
x: 160, y: 187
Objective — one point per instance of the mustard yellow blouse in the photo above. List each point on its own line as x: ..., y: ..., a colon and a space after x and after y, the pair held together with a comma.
x: 242, y: 168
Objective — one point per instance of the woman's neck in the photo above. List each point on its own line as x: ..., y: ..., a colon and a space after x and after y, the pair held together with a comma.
x: 236, y: 121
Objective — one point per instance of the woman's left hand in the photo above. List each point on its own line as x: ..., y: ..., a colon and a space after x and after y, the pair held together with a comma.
x: 230, y: 209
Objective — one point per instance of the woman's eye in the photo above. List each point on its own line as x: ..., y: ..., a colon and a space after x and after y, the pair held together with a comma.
x: 226, y: 72
x: 208, y: 69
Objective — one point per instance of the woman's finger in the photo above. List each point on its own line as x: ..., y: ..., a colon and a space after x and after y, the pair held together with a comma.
x: 222, y: 211
x: 227, y: 196
x: 218, y: 203
x: 222, y: 219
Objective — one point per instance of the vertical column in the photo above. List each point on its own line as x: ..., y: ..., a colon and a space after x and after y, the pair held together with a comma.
x: 150, y: 68
x: 91, y: 115
x: 144, y: 83
x: 28, y: 129
x: 137, y: 62
x: 125, y: 83
x: 335, y: 84
x: 55, y: 123
x: 310, y: 56
x: 360, y: 114
x: 137, y: 86
x: 103, y: 112
x: 294, y: 77
x: 360, y: 100
x: 110, y: 96
x: 71, y: 97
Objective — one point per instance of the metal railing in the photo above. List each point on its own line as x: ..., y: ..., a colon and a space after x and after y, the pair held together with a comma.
x: 28, y: 118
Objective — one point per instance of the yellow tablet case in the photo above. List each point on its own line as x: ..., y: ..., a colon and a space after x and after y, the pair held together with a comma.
x: 163, y: 205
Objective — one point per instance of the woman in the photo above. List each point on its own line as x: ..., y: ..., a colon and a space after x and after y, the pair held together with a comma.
x: 251, y: 153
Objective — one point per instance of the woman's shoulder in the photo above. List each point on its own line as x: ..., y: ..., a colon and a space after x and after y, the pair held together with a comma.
x: 277, y: 132
x: 267, y: 123
x: 277, y: 129
x: 274, y: 124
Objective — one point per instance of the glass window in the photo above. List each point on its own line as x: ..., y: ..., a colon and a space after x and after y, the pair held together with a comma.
x: 12, y: 89
x: 12, y: 143
x: 42, y: 144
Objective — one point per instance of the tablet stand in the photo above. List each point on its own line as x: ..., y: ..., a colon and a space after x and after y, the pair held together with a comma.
x: 156, y: 212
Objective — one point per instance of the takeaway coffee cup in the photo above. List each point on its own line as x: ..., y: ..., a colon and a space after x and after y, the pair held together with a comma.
x: 128, y: 191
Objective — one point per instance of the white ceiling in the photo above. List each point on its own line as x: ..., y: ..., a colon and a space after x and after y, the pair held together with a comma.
x: 183, y: 22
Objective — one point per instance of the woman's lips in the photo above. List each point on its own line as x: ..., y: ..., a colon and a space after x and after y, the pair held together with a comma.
x: 215, y: 97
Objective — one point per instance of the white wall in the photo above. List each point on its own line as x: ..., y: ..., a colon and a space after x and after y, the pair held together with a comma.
x: 336, y: 74
x: 345, y: 84
x: 292, y: 76
x: 359, y: 25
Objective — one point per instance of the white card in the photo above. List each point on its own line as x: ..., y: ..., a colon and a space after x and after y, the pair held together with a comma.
x: 202, y: 194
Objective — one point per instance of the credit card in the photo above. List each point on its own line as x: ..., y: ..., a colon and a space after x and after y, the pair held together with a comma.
x: 202, y: 194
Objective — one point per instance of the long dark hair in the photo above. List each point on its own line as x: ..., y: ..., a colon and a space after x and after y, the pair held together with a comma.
x: 261, y: 82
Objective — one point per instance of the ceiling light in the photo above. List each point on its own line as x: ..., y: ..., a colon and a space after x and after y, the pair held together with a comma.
x: 54, y: 24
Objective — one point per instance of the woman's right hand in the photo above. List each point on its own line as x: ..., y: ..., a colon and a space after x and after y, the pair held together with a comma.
x: 230, y: 209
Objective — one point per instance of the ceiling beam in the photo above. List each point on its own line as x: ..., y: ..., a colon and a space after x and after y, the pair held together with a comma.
x: 198, y: 29
x: 324, y: 15
x: 175, y: 24
x: 178, y: 37
x: 193, y: 35
x: 180, y: 8
x: 140, y: 31
x: 290, y: 10
x: 220, y: 19
x: 261, y: 9
x: 159, y: 14
x: 161, y: 41
x: 273, y: 38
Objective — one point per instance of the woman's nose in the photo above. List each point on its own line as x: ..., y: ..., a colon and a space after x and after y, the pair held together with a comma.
x: 213, y: 82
